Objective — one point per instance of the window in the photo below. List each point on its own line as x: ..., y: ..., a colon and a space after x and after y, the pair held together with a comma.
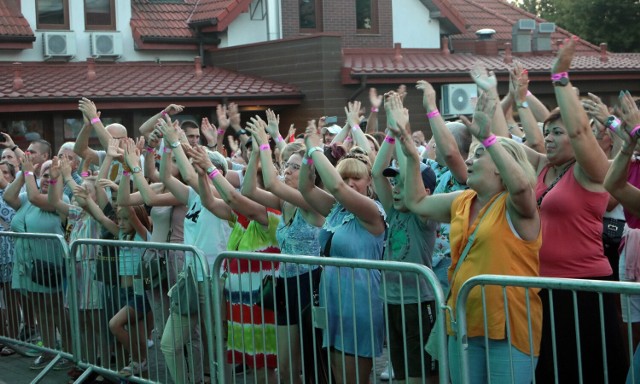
x: 99, y: 15
x: 23, y: 131
x: 52, y: 14
x: 367, y: 16
x: 72, y: 127
x: 310, y: 15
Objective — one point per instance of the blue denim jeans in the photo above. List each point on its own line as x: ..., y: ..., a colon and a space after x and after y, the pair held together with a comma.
x: 519, y: 368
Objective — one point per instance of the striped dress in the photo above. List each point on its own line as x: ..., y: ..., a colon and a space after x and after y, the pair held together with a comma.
x: 251, y: 337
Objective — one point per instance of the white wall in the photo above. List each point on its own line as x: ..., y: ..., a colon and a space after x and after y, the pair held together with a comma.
x: 243, y: 30
x: 413, y: 27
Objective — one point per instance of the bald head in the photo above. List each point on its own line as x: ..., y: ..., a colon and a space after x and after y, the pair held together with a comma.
x: 117, y: 131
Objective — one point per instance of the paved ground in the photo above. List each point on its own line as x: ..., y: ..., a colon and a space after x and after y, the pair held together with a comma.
x: 15, y: 370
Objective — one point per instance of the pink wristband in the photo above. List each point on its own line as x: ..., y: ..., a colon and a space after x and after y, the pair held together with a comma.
x: 635, y: 130
x: 264, y: 147
x: 53, y: 181
x: 348, y: 139
x: 126, y: 173
x: 150, y: 149
x: 28, y: 173
x: 374, y: 109
x: 558, y: 76
x: 163, y: 113
x: 95, y: 120
x: 529, y: 93
x: 167, y: 150
x: 220, y: 131
x: 390, y: 140
x: 84, y: 174
x: 433, y: 114
x: 307, y: 161
x: 279, y: 139
x: 355, y: 127
x: 489, y: 141
x: 214, y: 173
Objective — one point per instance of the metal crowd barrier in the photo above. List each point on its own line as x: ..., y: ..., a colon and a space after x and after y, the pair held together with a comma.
x: 116, y: 310
x: 257, y: 297
x: 41, y: 269
x: 553, y: 285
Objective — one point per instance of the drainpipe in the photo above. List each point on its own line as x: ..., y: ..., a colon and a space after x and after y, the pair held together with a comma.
x: 362, y: 87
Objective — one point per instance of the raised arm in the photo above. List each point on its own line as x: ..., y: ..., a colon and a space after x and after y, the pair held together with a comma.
x: 535, y: 140
x: 8, y: 143
x: 89, y: 110
x: 214, y: 205
x: 12, y: 192
x: 171, y: 136
x: 250, y: 187
x: 380, y: 182
x: 376, y: 101
x: 147, y: 127
x: 81, y: 145
x: 363, y: 207
x: 94, y: 210
x: 212, y: 135
x: 175, y: 186
x: 233, y: 198
x: 33, y: 193
x: 488, y: 82
x: 55, y: 189
x: 273, y: 128
x: 591, y: 160
x: 445, y: 142
x: 353, y: 119
x: 437, y: 207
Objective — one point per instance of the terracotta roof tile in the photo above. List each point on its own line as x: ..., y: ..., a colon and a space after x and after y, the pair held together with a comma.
x: 12, y: 22
x: 56, y: 80
x: 500, y: 15
x: 169, y: 20
x: 425, y: 63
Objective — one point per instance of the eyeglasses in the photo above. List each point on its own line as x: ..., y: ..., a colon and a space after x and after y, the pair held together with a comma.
x: 393, y: 181
x: 293, y: 166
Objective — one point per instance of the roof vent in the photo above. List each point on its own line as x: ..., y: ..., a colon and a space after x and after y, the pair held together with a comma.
x: 542, y: 36
x: 485, y: 33
x: 521, y: 35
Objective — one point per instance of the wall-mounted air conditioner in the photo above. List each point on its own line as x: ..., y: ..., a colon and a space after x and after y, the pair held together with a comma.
x: 458, y: 99
x: 59, y: 45
x: 106, y: 44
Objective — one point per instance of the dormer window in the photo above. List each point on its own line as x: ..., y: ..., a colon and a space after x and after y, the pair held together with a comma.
x: 52, y: 14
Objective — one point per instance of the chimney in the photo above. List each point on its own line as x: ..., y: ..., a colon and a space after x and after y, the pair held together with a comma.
x: 542, y: 37
x: 444, y: 45
x: 603, y: 52
x: 198, y: 62
x: 507, y: 53
x: 485, y: 43
x: 397, y: 54
x: 17, y: 77
x: 91, y: 68
x: 521, y: 35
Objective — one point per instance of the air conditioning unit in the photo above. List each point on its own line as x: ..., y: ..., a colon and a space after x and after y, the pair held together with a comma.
x: 526, y: 24
x: 546, y: 27
x: 59, y: 45
x: 106, y: 44
x: 458, y: 99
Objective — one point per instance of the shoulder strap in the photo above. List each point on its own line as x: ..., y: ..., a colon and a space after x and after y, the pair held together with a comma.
x: 470, y: 241
x: 327, y: 247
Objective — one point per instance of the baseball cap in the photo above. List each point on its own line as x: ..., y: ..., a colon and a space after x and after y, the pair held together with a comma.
x: 428, y: 176
x: 332, y: 129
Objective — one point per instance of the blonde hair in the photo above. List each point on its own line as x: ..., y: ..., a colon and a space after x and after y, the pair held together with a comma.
x: 292, y: 148
x: 355, y: 164
x: 520, y: 156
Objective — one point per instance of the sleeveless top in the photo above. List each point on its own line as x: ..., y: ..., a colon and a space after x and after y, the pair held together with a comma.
x: 572, y: 229
x: 496, y: 250
x: 297, y: 238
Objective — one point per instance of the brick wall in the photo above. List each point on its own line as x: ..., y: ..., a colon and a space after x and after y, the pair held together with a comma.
x: 339, y: 16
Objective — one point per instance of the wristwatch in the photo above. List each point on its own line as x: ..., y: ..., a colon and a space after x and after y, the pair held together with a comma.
x: 313, y: 149
x: 243, y: 132
x: 175, y: 145
x: 524, y: 104
x: 136, y: 169
x: 612, y: 123
x: 561, y: 82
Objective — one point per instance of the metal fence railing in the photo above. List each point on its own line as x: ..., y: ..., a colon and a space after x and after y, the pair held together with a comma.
x: 566, y: 337
x: 38, y: 320
x: 343, y: 303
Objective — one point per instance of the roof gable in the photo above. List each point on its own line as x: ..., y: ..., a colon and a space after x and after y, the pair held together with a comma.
x: 15, y: 32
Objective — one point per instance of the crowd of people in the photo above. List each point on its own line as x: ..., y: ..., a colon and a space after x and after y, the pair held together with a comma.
x: 516, y: 190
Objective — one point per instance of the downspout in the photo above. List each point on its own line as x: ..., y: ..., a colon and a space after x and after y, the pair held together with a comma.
x: 362, y: 87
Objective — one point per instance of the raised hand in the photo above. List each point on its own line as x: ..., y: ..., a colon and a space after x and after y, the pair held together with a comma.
x: 312, y: 137
x: 595, y: 108
x: 168, y: 130
x: 485, y: 80
x: 154, y: 138
x: 273, y: 126
x: 223, y: 117
x: 88, y: 108
x: 8, y: 141
x: 27, y: 163
x: 629, y: 113
x: 428, y: 95
x: 201, y: 158
x: 256, y: 126
x: 374, y: 98
x: 234, y: 116
x: 402, y: 91
x: 520, y: 82
x: 140, y: 141
x: 54, y: 171
x: 233, y: 143
x: 352, y: 110
x: 322, y: 122
x: 113, y: 149
x: 106, y: 183
x: 131, y: 154
x: 399, y: 115
x: 482, y: 117
x: 65, y: 167
x: 562, y: 63
x: 209, y: 131
x: 174, y: 109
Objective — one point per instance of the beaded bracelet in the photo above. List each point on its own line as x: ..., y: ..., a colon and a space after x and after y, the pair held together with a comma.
x: 489, y: 141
